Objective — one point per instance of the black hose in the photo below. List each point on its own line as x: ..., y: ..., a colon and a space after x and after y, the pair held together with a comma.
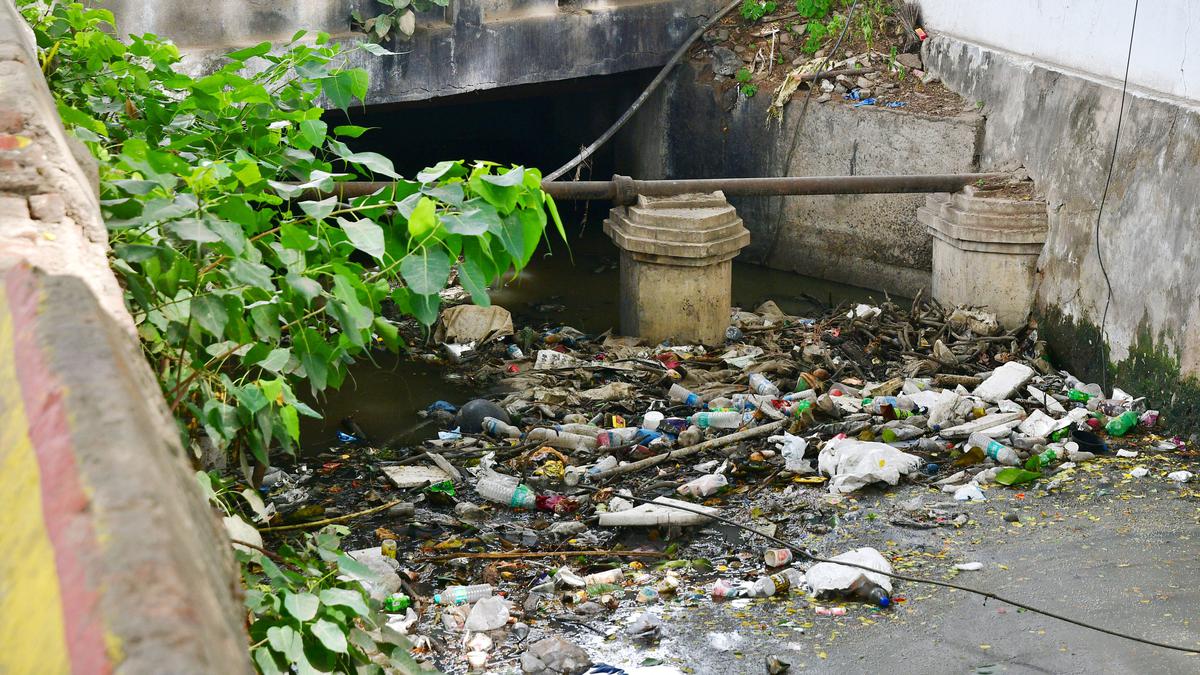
x: 645, y: 95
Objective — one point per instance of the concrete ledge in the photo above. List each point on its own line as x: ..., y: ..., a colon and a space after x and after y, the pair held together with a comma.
x: 110, y: 560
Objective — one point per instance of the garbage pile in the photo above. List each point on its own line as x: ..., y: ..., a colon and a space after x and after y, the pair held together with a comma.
x: 582, y: 485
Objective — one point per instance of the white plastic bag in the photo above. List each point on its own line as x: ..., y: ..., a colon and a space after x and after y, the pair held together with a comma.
x: 828, y: 576
x: 792, y: 449
x: 851, y: 464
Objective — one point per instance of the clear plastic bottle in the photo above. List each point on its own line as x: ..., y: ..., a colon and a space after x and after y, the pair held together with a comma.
x: 760, y: 385
x: 463, y: 595
x: 497, y: 429
x: 611, y: 438
x: 704, y: 485
x: 779, y: 583
x: 613, y: 576
x: 561, y: 439
x: 508, y: 492
x: 582, y: 429
x: 717, y: 420
x: 678, y: 394
x: 606, y: 464
x: 994, y: 449
x: 901, y: 432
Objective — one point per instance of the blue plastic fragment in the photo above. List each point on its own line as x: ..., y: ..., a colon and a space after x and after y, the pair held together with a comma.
x: 865, y: 101
x: 896, y: 104
x: 442, y: 405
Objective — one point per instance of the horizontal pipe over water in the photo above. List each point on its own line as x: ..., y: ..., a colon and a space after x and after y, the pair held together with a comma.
x: 624, y: 190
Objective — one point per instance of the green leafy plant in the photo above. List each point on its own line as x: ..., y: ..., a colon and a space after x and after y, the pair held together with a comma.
x: 813, y: 9
x: 246, y: 278
x: 754, y: 10
x: 400, y: 16
x: 743, y: 76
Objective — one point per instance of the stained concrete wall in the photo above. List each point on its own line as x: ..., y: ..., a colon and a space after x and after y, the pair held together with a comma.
x: 693, y: 129
x: 472, y: 45
x: 110, y: 559
x: 1089, y: 36
x: 1060, y: 125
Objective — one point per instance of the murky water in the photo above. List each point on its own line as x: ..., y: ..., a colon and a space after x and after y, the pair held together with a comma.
x: 579, y: 290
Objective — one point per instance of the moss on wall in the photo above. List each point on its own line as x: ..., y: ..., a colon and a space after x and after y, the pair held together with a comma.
x: 1150, y: 370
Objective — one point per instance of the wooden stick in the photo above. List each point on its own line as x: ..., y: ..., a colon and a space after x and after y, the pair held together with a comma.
x: 330, y: 521
x: 505, y: 555
x: 693, y: 449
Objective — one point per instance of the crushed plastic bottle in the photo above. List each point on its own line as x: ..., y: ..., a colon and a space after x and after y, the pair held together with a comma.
x: 704, y: 485
x: 777, y: 584
x: 760, y: 385
x: 561, y: 439
x: 463, y: 595
x: 498, y: 429
x: 999, y: 452
x: 678, y: 394
x: 1043, y: 459
x: 498, y: 489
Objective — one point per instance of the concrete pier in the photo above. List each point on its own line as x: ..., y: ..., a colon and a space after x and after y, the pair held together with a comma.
x: 676, y: 266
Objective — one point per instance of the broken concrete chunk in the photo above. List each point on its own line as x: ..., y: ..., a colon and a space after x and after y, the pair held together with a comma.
x: 1004, y: 381
x: 725, y: 61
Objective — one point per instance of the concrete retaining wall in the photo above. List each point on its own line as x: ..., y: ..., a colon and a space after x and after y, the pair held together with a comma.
x: 694, y: 130
x: 110, y: 560
x: 472, y: 45
x: 1060, y: 126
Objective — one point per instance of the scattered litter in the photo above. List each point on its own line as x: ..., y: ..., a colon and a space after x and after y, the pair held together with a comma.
x: 969, y: 567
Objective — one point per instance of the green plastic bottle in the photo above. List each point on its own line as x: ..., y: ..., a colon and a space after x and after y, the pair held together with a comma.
x: 1121, y: 424
x: 1037, y: 462
x: 1077, y: 395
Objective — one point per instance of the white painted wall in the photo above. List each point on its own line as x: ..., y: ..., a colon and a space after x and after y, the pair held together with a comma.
x: 1086, y: 35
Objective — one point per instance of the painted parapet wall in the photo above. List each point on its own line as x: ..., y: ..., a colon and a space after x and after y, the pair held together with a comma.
x: 471, y: 45
x: 110, y: 560
x: 1059, y: 123
x: 693, y: 129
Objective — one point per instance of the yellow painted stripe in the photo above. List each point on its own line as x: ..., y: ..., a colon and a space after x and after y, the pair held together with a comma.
x: 32, y: 633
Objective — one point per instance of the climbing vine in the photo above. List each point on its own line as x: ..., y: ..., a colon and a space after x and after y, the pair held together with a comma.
x: 246, y: 281
x: 398, y: 15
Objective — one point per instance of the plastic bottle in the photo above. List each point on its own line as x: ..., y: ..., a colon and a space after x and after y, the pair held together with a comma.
x: 561, y: 439
x: 994, y: 449
x: 497, y: 429
x: 614, y: 437
x: 582, y: 429
x: 870, y: 593
x: 613, y: 576
x: 1043, y: 459
x: 902, y: 432
x: 463, y: 595
x: 717, y: 420
x: 704, y: 485
x: 1077, y: 395
x: 605, y: 464
x: 760, y: 385
x: 1121, y: 424
x: 779, y: 583
x: 507, y: 492
x: 678, y: 394
x: 1027, y: 442
x: 514, y: 352
x: 651, y: 420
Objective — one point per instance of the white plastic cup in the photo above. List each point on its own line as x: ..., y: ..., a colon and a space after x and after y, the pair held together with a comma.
x: 777, y: 557
x: 651, y: 420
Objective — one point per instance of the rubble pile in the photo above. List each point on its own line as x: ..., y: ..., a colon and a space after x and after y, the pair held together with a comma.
x: 585, y: 484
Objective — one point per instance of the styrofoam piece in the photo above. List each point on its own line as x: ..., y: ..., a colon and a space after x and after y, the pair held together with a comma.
x: 1004, y: 382
x: 659, y: 512
x: 982, y: 424
x: 1040, y: 424
x: 416, y: 475
x: 1045, y: 399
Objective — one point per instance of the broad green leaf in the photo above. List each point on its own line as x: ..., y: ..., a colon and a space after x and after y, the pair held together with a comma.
x: 387, y: 332
x: 476, y: 218
x: 230, y: 233
x: 276, y: 359
x: 440, y: 170
x: 423, y: 219
x: 286, y: 190
x: 307, y: 288
x: 135, y: 253
x: 330, y: 634
x: 209, y: 312
x: 313, y: 132
x: 350, y: 130
x: 319, y: 210
x: 291, y: 422
x: 426, y: 270
x: 344, y: 86
x: 252, y: 274
x: 512, y: 237
x: 344, y: 597
x: 471, y: 275
x: 425, y: 308
x: 374, y: 162
x: 1014, y: 476
x: 285, y: 640
x: 243, y: 54
x: 192, y: 229
x: 511, y: 178
x: 296, y: 238
x: 365, y: 235
x: 377, y: 50
x: 302, y: 606
x: 266, y: 662
x: 251, y: 397
x: 264, y: 318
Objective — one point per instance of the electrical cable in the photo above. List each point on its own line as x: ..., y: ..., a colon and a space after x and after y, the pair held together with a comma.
x: 787, y: 160
x: 919, y: 580
x: 1112, y: 160
x: 644, y: 96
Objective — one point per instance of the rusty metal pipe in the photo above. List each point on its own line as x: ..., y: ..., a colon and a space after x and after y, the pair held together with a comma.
x: 623, y: 190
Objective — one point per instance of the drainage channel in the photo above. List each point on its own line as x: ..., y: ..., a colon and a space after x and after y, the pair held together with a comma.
x: 578, y: 290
